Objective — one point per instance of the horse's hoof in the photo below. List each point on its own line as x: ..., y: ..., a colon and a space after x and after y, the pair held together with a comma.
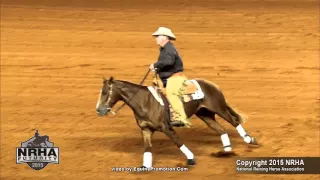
x: 191, y: 162
x: 254, y: 141
x: 224, y: 154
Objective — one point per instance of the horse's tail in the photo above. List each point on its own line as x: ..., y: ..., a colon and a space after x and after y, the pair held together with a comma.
x: 241, y: 118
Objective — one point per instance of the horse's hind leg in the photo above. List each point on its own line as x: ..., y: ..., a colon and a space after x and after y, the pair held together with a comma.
x: 235, y: 120
x: 209, y: 118
x: 147, y: 156
x: 171, y: 133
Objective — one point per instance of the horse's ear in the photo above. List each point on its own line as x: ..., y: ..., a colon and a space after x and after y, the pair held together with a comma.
x: 104, y: 79
x: 111, y: 79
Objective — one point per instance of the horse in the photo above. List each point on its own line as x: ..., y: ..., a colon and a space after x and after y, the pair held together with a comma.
x: 39, y: 141
x: 151, y: 116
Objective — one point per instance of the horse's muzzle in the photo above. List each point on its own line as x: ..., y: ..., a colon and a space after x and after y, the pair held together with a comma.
x: 102, y: 111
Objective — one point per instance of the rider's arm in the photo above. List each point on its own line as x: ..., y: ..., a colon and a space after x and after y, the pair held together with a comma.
x: 168, y: 60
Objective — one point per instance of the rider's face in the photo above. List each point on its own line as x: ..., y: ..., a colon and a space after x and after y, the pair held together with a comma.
x: 161, y: 40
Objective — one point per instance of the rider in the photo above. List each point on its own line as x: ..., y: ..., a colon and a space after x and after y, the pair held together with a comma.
x: 36, y: 134
x: 170, y: 68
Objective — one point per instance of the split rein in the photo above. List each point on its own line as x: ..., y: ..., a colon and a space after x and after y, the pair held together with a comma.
x: 144, y: 78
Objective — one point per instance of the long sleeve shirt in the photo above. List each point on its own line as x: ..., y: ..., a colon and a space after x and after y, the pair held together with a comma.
x: 169, y: 62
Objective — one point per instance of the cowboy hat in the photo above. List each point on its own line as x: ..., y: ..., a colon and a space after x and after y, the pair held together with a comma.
x: 165, y: 32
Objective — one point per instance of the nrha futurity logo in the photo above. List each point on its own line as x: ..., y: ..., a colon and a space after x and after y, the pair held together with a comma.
x: 37, y: 152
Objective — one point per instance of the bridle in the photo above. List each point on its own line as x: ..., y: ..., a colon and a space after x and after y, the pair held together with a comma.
x: 109, y: 109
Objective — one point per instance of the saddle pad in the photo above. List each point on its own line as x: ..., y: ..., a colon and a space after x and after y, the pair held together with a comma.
x: 155, y: 95
x: 198, y: 94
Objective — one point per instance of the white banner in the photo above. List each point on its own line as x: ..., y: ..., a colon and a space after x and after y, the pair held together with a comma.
x: 49, y: 155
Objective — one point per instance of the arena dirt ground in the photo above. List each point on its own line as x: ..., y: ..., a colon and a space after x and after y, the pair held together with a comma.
x: 264, y: 55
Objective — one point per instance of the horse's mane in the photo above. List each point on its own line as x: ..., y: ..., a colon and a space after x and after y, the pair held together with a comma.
x: 132, y: 84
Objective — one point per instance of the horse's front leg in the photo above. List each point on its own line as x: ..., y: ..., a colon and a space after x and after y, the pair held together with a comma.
x: 147, y: 156
x: 171, y: 133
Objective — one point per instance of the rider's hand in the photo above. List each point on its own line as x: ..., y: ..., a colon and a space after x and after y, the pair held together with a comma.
x: 151, y: 67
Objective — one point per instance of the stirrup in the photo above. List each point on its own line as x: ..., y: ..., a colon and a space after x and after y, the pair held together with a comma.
x: 177, y: 123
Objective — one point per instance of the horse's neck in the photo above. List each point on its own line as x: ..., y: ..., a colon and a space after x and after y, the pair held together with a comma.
x: 136, y: 97
x: 130, y: 92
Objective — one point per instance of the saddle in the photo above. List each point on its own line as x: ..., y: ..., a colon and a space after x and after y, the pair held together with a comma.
x: 193, y: 92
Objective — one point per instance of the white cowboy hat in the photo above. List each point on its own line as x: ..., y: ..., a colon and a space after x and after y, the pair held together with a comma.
x: 165, y: 32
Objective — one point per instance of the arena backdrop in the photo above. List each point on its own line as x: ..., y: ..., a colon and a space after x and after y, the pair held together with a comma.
x: 263, y: 54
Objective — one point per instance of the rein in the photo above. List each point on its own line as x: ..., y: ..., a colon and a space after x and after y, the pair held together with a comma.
x: 144, y: 78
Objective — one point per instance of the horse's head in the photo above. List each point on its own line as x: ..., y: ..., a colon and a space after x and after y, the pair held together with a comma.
x: 108, y: 97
